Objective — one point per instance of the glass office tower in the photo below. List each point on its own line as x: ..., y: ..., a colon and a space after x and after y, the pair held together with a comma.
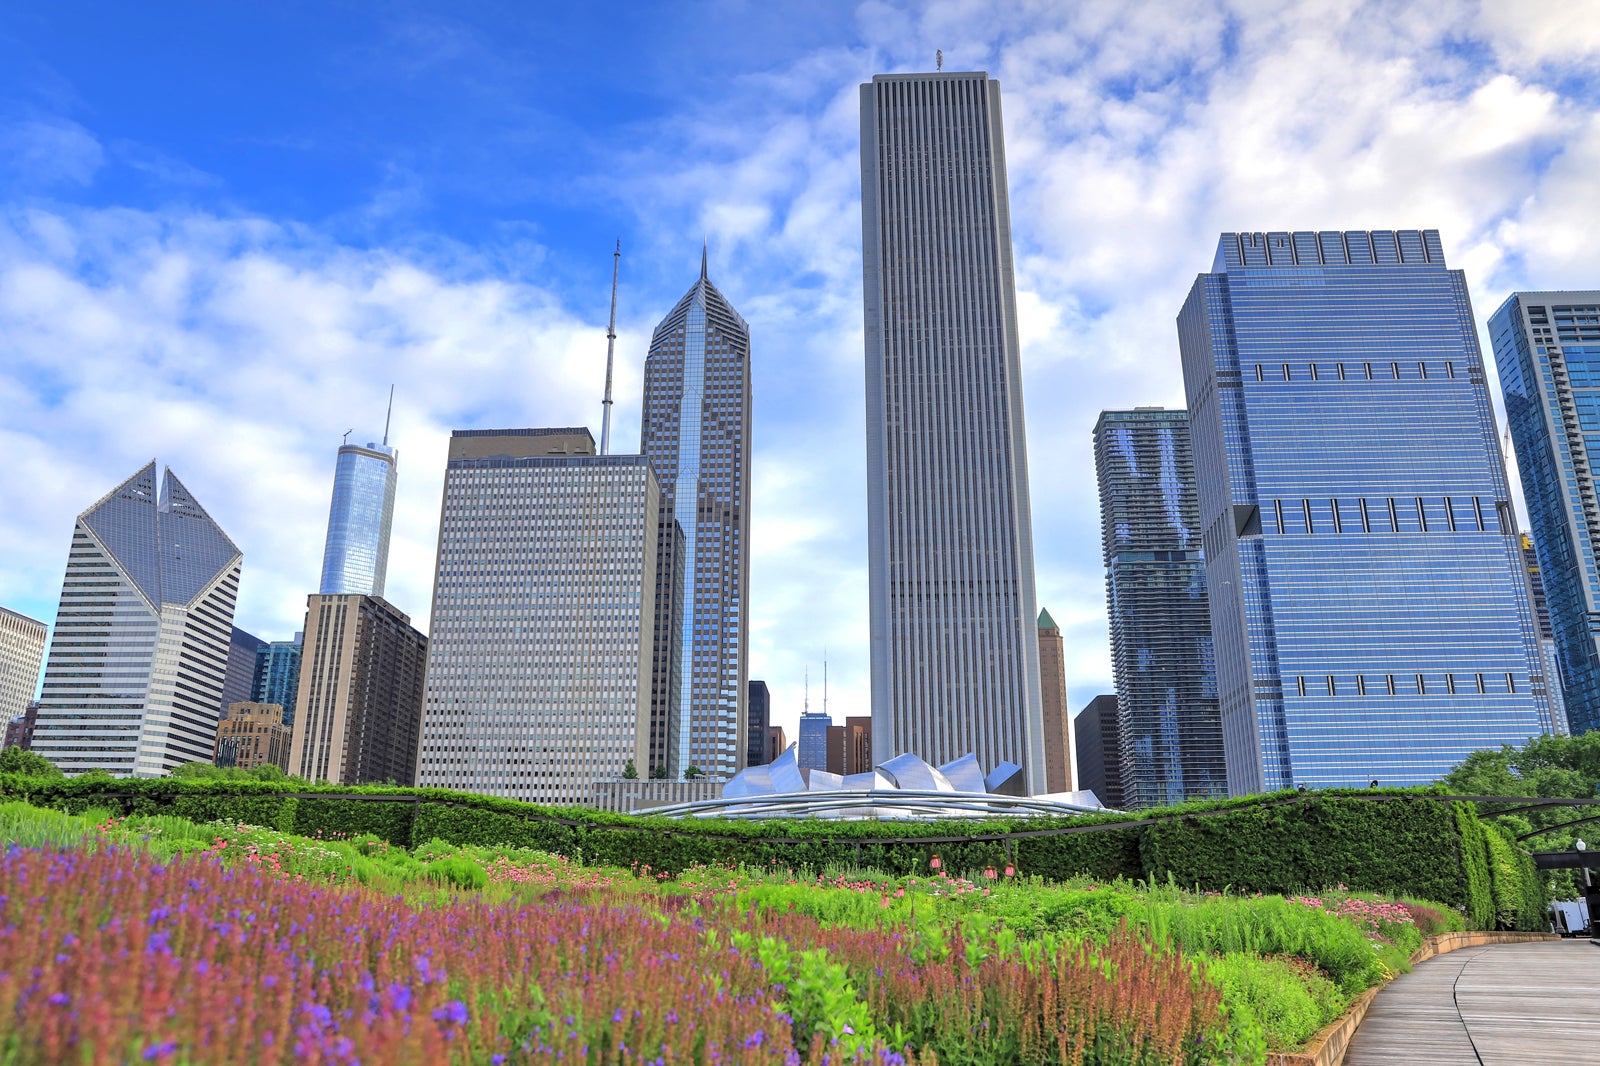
x: 356, y: 556
x: 954, y: 648
x: 1546, y: 635
x: 140, y: 648
x: 1369, y: 613
x: 1161, y: 653
x: 695, y: 430
x: 1547, y: 348
x: 278, y: 675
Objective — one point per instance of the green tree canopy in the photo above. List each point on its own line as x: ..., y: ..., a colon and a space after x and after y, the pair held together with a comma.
x: 15, y: 760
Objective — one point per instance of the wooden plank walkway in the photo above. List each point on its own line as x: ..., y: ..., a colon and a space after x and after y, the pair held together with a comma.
x: 1500, y: 1005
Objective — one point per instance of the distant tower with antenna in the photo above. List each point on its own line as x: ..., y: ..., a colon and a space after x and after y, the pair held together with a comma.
x: 813, y: 750
x: 355, y: 558
x: 611, y: 350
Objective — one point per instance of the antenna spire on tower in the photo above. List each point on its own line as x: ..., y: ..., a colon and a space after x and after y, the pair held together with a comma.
x: 938, y: 59
x: 703, y: 246
x: 825, y: 681
x: 805, y: 706
x: 387, y: 416
x: 611, y: 348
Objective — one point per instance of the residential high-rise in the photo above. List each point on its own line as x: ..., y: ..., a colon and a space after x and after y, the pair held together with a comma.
x: 1058, y: 760
x: 543, y: 616
x: 1547, y: 349
x: 695, y: 430
x: 857, y: 744
x: 813, y: 753
x: 954, y: 650
x: 239, y: 682
x: 140, y: 648
x: 1368, y: 609
x: 1099, y: 750
x: 1547, y: 643
x: 760, y: 718
x: 1161, y: 653
x: 252, y: 734
x: 355, y: 558
x: 278, y: 675
x: 360, y: 693
x: 19, y: 730
x: 21, y: 651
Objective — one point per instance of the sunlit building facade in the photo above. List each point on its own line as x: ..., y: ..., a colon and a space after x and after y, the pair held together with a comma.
x: 1058, y: 760
x: 1370, y: 617
x: 543, y: 607
x: 22, y: 642
x: 140, y: 649
x: 954, y: 648
x: 355, y: 558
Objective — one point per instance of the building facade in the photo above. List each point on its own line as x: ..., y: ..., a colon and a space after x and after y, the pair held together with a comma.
x: 19, y: 730
x: 140, y: 649
x: 22, y: 641
x: 355, y: 558
x: 1058, y: 759
x: 813, y: 753
x: 756, y: 728
x: 954, y: 649
x: 1546, y: 635
x: 278, y: 675
x: 253, y: 734
x: 777, y: 743
x: 239, y: 682
x: 1161, y: 650
x: 1369, y: 613
x: 1547, y: 349
x: 360, y: 695
x: 695, y: 431
x: 543, y: 615
x: 1099, y: 750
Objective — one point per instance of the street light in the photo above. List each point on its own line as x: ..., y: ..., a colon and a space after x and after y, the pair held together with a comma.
x: 1580, y: 845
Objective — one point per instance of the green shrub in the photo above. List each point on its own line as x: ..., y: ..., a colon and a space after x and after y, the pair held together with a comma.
x: 1288, y: 1000
x: 456, y: 871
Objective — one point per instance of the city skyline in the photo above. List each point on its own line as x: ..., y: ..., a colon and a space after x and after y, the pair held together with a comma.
x: 256, y: 275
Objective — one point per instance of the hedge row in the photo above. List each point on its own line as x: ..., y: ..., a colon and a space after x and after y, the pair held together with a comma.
x: 1405, y: 842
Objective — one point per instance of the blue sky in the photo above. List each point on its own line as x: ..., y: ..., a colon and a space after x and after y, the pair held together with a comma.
x: 225, y: 229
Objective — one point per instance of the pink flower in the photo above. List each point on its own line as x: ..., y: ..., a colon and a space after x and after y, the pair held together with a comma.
x: 934, y: 863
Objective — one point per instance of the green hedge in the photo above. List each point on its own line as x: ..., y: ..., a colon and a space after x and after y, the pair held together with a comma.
x: 1404, y: 842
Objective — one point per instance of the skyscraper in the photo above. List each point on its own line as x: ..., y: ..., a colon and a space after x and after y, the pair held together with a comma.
x: 239, y: 682
x: 543, y: 608
x: 140, y: 648
x: 278, y: 675
x: 813, y: 753
x: 1058, y: 761
x: 1161, y: 652
x: 1547, y: 642
x: 21, y: 651
x: 355, y: 558
x: 1099, y: 750
x: 1370, y: 617
x: 696, y: 433
x: 756, y: 728
x: 359, y: 703
x: 1547, y: 348
x: 955, y: 655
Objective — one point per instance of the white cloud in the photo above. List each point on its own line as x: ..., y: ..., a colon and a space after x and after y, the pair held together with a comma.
x: 38, y: 153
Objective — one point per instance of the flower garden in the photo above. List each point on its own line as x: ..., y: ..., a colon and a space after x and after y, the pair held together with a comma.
x: 163, y: 939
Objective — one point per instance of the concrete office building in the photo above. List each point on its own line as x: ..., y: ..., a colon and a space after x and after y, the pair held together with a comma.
x: 1059, y: 774
x: 19, y: 730
x: 1546, y: 635
x: 1368, y: 607
x: 760, y: 719
x: 1099, y: 750
x: 543, y: 615
x: 1161, y: 649
x: 253, y: 734
x: 355, y: 557
x: 777, y: 743
x: 22, y: 642
x: 1547, y: 349
x: 695, y: 431
x: 140, y: 650
x: 360, y: 693
x: 954, y: 649
x: 850, y: 746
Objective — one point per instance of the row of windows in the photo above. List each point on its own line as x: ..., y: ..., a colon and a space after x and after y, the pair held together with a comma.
x: 1387, y: 514
x: 1380, y: 371
x: 1386, y: 684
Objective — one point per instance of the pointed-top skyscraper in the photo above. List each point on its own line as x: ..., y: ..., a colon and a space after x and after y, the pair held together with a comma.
x: 140, y: 647
x: 955, y: 652
x: 696, y: 433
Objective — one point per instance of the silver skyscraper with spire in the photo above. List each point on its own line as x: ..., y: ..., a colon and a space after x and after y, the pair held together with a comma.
x: 696, y: 433
x: 955, y: 656
x: 355, y: 558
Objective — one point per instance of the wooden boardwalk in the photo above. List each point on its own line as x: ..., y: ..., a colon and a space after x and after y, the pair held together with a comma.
x: 1500, y: 1005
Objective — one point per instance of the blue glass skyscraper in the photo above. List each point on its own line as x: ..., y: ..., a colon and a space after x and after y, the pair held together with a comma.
x: 1368, y: 608
x: 278, y: 674
x: 1547, y: 348
x: 356, y: 557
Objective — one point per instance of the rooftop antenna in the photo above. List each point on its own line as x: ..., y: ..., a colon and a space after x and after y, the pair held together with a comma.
x: 347, y: 436
x: 611, y: 347
x: 387, y: 416
x: 805, y: 708
x: 938, y: 59
x: 825, y: 681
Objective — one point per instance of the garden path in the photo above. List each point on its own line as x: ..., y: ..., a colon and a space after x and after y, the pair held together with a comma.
x: 1499, y: 1005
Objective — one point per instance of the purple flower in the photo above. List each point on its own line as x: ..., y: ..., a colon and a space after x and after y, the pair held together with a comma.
x: 755, y: 1038
x: 60, y: 999
x: 159, y: 1051
x: 617, y: 1016
x: 452, y: 1013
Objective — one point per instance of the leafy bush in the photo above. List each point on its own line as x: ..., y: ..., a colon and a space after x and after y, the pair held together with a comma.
x: 15, y: 760
x: 1288, y: 999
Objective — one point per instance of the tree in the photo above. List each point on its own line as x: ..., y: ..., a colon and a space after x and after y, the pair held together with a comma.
x: 15, y: 760
x: 691, y: 772
x: 658, y: 773
x: 630, y: 772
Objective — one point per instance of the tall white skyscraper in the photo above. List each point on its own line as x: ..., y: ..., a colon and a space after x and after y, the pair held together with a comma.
x: 955, y: 656
x: 543, y: 606
x: 21, y: 651
x: 140, y: 649
x: 696, y: 434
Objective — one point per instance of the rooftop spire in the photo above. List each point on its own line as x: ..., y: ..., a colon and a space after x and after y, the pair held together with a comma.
x: 702, y: 259
x: 387, y: 416
x: 611, y: 347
